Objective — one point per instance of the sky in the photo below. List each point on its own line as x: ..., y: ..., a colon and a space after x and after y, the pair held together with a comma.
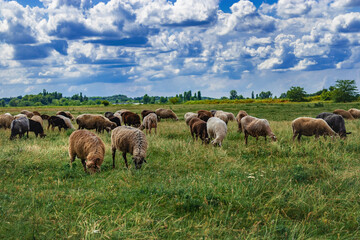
x: 162, y: 48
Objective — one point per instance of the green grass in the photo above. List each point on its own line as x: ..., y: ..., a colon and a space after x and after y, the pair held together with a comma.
x: 280, y: 190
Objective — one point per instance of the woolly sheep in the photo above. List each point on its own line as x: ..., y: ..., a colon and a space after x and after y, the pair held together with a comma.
x: 66, y: 114
x: 354, y: 112
x: 256, y: 127
x: 199, y: 128
x: 8, y: 114
x: 131, y: 119
x: 89, y: 148
x: 94, y: 121
x: 55, y: 121
x: 204, y: 115
x: 222, y: 116
x: 145, y: 112
x: 165, y: 113
x: 336, y: 122
x: 108, y: 114
x: 188, y: 116
x: 20, y: 126
x: 345, y: 114
x: 67, y: 121
x: 38, y: 119
x: 19, y: 116
x: 37, y: 128
x: 129, y: 140
x: 216, y: 129
x: 239, y: 116
x: 36, y: 113
x: 149, y: 122
x: 27, y: 113
x: 311, y: 126
x: 230, y: 116
x: 5, y: 121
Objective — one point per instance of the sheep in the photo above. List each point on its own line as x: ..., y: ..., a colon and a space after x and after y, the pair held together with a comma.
x: 200, y: 130
x: 8, y: 114
x: 131, y: 119
x: 55, y: 121
x: 256, y: 127
x: 222, y: 116
x: 204, y: 115
x: 66, y: 114
x: 108, y: 114
x: 67, y: 121
x: 89, y: 148
x: 19, y: 126
x: 336, y: 122
x: 216, y: 129
x: 38, y: 119
x: 165, y: 113
x: 119, y: 114
x: 213, y: 112
x: 345, y: 114
x: 354, y: 112
x: 311, y: 126
x: 36, y: 113
x: 45, y: 116
x: 149, y: 122
x: 144, y: 113
x: 115, y: 120
x: 230, y: 116
x: 5, y: 121
x: 37, y: 128
x: 239, y: 116
x: 27, y: 113
x: 188, y: 116
x: 129, y: 140
x: 21, y: 115
x: 95, y: 121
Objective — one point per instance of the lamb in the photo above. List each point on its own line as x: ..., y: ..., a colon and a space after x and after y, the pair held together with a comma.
x: 336, y: 122
x: 188, y: 116
x: 5, y: 121
x: 37, y: 128
x: 239, y: 116
x: 150, y: 121
x: 131, y: 119
x: 66, y: 114
x: 165, y: 113
x: 354, y: 112
x: 95, y: 121
x: 204, y: 115
x: 311, y: 126
x: 55, y: 121
x: 200, y: 130
x: 216, y: 129
x: 345, y: 114
x: 19, y: 127
x: 89, y: 148
x: 129, y: 140
x: 256, y: 127
x: 222, y: 116
x: 144, y: 113
x: 67, y: 121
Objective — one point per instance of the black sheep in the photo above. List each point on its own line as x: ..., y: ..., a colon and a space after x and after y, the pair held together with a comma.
x: 336, y: 122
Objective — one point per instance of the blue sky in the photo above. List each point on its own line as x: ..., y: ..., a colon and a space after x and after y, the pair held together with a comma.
x: 161, y: 47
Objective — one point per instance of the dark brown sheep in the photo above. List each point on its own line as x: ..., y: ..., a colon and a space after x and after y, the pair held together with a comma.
x: 55, y: 121
x: 200, y: 130
x: 37, y: 128
x: 95, y: 121
x: 145, y: 112
x: 115, y: 120
x: 36, y: 113
x: 204, y: 115
x: 131, y: 119
x: 345, y: 114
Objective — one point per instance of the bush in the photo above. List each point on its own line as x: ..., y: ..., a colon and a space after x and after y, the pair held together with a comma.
x: 105, y: 103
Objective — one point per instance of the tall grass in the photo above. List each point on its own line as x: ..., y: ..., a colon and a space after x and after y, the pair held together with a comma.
x: 265, y: 190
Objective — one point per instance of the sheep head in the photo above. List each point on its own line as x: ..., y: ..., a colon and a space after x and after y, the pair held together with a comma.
x: 273, y: 138
x: 92, y: 165
x: 138, y: 161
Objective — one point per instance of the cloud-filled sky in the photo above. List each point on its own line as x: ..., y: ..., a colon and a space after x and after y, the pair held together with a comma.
x: 162, y: 47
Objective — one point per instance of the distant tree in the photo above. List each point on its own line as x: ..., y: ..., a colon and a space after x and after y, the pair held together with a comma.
x: 264, y: 95
x: 98, y: 102
x: 233, y: 94
x: 105, y: 102
x: 174, y: 100
x: 240, y: 97
x: 146, y: 99
x: 252, y: 95
x: 152, y: 100
x: 2, y: 103
x: 224, y: 98
x: 199, y: 95
x: 283, y: 95
x: 81, y: 97
x: 163, y: 99
x: 14, y: 102
x: 296, y: 94
x: 345, y: 91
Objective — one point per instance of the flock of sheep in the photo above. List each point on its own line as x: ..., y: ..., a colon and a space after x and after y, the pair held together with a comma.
x: 204, y: 124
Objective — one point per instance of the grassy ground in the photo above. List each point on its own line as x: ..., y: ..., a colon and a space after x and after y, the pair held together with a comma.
x: 281, y: 190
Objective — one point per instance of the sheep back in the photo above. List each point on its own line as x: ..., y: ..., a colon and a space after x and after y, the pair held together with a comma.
x: 345, y: 114
x: 216, y: 129
x: 204, y: 115
x: 5, y: 121
x: 131, y: 119
x: 150, y: 121
x: 19, y: 126
x: 311, y: 126
x: 165, y: 113
x: 354, y: 112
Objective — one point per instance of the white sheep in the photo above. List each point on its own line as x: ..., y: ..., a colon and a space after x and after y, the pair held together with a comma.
x: 216, y: 129
x: 222, y: 115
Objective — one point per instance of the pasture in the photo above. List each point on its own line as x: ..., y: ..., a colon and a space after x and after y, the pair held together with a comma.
x: 280, y: 190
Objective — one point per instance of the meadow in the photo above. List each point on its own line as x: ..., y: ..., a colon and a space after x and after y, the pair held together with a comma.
x: 266, y: 190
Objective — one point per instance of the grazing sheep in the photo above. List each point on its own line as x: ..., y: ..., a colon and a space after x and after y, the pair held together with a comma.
x: 256, y: 127
x: 149, y: 122
x: 19, y: 126
x: 37, y: 128
x: 311, y: 126
x: 5, y: 121
x: 19, y: 116
x: 95, y: 121
x: 89, y: 148
x: 354, y: 112
x: 216, y: 129
x: 38, y: 119
x: 129, y: 140
x: 118, y: 115
x: 239, y: 116
x: 45, y: 117
x: 345, y: 114
x: 67, y: 121
x: 213, y: 112
x: 27, y: 113
x: 36, y: 113
x: 115, y: 120
x: 144, y: 113
x: 204, y: 115
x: 336, y: 122
x: 188, y: 116
x: 165, y: 113
x: 222, y: 116
x: 230, y: 116
x: 200, y: 130
x: 109, y: 114
x: 55, y: 121
x: 131, y: 119
x: 66, y: 114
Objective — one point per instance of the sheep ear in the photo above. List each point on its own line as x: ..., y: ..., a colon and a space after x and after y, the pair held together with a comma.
x: 145, y: 161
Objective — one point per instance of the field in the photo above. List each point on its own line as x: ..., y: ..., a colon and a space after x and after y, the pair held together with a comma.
x: 280, y: 190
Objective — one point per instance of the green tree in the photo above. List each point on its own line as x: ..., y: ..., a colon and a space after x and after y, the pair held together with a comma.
x: 14, y: 102
x: 233, y: 94
x: 2, y: 103
x: 152, y: 100
x: 105, y: 102
x: 264, y: 95
x: 296, y: 94
x: 252, y: 95
x: 174, y: 100
x: 199, y: 95
x: 345, y: 91
x: 146, y: 99
x: 163, y: 99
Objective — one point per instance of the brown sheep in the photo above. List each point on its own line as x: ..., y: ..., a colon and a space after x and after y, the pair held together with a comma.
x: 36, y: 113
x: 239, y: 116
x: 188, y: 116
x: 129, y: 140
x: 354, y: 112
x: 200, y: 130
x: 38, y: 119
x: 222, y: 115
x: 230, y: 116
x: 150, y: 121
x: 165, y: 113
x: 131, y: 119
x: 66, y: 114
x: 144, y: 113
x: 5, y: 121
x: 94, y: 121
x: 256, y: 127
x: 89, y: 148
x: 311, y: 126
x: 345, y: 114
x: 204, y: 115
x: 27, y: 113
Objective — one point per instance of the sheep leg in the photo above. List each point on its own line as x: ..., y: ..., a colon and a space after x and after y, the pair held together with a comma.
x: 265, y: 138
x: 126, y: 163
x: 299, y: 136
x: 246, y: 137
x: 113, y: 156
x: 27, y: 134
x: 294, y: 136
x: 83, y: 163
